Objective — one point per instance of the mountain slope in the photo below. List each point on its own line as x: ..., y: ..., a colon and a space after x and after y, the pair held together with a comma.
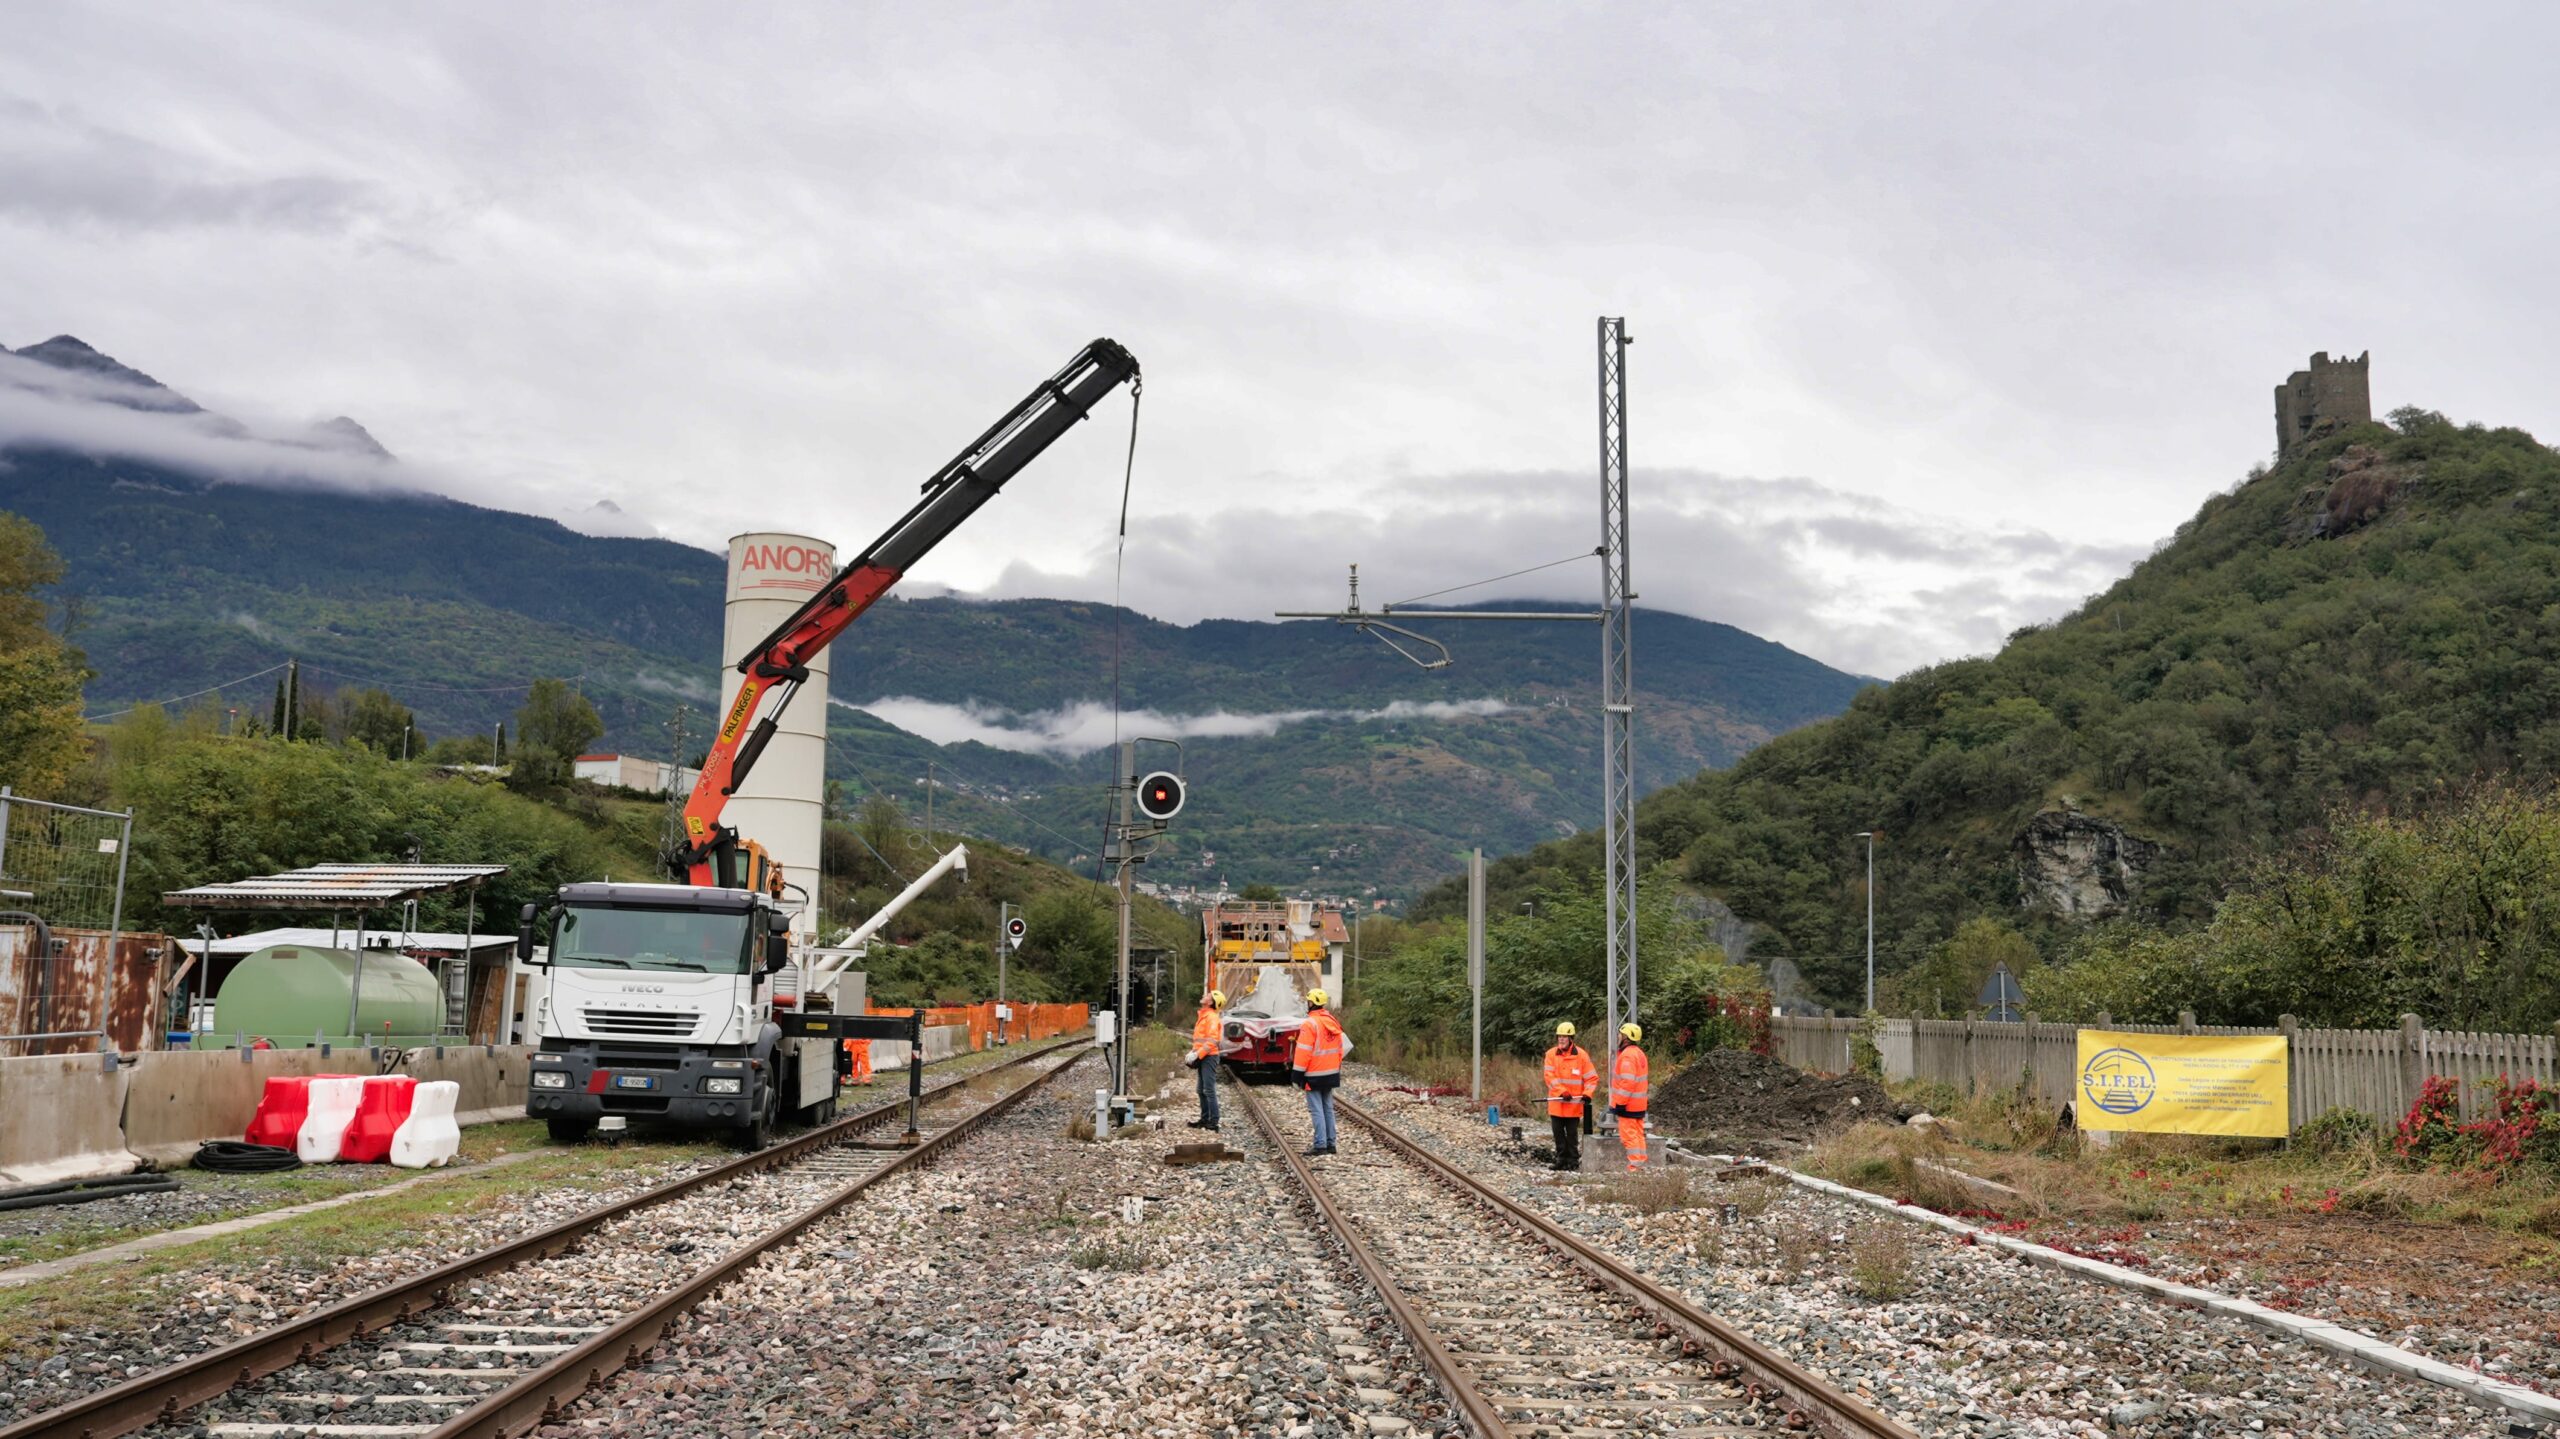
x: 2374, y: 622
x: 183, y: 583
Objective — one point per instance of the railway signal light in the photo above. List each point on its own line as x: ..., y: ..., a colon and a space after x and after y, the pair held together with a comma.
x: 1160, y: 796
x: 1014, y: 930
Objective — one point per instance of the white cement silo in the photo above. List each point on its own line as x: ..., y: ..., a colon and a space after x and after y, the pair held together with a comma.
x: 782, y: 804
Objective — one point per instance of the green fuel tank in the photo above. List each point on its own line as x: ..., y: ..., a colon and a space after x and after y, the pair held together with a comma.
x: 286, y: 993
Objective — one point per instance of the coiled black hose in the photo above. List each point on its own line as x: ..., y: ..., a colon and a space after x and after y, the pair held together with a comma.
x: 231, y: 1156
x: 84, y: 1191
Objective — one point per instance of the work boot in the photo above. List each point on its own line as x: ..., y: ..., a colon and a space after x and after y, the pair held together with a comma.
x: 1313, y: 1152
x: 1199, y: 1124
x: 1211, y: 1126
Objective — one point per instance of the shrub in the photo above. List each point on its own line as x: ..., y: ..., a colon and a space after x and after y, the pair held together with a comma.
x: 2431, y: 1132
x: 2337, y: 1129
x: 2522, y: 1129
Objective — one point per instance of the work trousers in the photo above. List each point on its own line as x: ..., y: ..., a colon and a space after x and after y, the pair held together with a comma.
x: 1568, y: 1136
x: 1631, y: 1137
x: 1208, y: 1084
x: 1320, y: 1111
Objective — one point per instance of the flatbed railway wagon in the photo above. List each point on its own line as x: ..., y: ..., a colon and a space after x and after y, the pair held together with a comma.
x: 1265, y: 957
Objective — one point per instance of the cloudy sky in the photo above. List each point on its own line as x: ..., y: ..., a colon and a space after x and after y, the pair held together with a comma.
x: 1944, y: 313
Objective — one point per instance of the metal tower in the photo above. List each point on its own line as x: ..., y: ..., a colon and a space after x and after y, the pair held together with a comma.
x: 1617, y: 677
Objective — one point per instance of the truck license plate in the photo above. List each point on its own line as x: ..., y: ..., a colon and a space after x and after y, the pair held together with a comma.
x: 635, y: 1081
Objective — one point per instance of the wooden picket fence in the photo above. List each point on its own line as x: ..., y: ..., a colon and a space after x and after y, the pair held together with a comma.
x: 2377, y: 1072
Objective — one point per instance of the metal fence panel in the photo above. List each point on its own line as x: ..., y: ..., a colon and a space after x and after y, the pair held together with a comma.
x: 65, y: 864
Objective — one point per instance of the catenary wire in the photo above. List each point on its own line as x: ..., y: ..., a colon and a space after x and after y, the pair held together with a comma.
x: 1496, y: 579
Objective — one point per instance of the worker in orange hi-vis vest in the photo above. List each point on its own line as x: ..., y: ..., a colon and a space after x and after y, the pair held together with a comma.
x: 860, y: 1049
x: 1630, y: 1083
x: 1204, y: 1058
x: 1316, y: 1065
x: 1571, y: 1081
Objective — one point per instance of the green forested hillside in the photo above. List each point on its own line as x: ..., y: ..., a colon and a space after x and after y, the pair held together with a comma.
x: 2373, y: 623
x: 175, y: 584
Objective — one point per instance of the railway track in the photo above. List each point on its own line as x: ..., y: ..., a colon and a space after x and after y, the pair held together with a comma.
x: 1552, y: 1337
x: 491, y: 1345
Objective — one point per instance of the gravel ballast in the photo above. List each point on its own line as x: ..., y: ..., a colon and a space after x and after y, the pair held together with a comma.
x: 1963, y: 1340
x: 1013, y: 1289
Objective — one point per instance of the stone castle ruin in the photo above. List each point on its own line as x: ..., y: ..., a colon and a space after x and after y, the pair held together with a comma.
x: 2331, y: 395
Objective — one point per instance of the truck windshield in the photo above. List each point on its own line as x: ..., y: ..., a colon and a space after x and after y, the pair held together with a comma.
x: 600, y: 938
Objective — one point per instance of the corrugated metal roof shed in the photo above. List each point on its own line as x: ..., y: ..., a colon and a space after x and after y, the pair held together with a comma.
x: 336, y: 886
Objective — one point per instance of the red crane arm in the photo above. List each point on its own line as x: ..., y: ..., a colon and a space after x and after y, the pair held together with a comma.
x: 780, y: 661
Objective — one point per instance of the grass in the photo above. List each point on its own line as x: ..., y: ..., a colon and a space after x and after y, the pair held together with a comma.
x: 1118, y: 1256
x: 107, y: 1295
x: 2341, y: 1169
x: 1652, y: 1191
x: 1883, y: 1262
x: 1799, y: 1244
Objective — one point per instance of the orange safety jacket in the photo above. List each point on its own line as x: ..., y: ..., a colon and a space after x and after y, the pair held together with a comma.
x: 1629, y: 1080
x: 1318, y: 1055
x: 1571, y: 1080
x: 1204, y: 1032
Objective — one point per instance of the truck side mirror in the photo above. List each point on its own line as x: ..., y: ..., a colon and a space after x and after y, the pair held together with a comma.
x: 524, y: 933
x: 777, y: 952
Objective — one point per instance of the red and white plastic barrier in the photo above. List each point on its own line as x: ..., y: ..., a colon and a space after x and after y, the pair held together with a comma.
x: 360, y: 1119
x: 429, y: 1136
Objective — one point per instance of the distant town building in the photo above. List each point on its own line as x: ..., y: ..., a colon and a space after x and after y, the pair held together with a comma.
x: 649, y: 776
x: 2331, y: 395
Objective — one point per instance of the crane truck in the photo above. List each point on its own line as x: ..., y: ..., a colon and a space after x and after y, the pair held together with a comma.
x: 662, y: 1002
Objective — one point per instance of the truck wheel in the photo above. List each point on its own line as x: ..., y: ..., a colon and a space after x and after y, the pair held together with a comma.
x: 756, y: 1132
x: 570, y: 1131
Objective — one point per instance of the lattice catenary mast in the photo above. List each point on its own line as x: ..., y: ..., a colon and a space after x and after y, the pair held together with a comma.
x: 1617, y: 677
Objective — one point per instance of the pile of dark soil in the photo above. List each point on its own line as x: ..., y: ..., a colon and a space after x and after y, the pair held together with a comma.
x: 1733, y: 1094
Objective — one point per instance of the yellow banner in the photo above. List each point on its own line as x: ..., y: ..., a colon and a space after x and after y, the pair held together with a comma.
x: 2185, y: 1083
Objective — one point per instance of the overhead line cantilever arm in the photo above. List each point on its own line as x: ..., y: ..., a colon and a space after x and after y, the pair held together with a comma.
x: 781, y: 659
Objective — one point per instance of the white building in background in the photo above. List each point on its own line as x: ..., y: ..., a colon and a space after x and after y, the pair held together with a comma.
x: 649, y: 776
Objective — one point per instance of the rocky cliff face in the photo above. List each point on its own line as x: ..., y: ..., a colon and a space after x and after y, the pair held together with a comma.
x: 2080, y: 867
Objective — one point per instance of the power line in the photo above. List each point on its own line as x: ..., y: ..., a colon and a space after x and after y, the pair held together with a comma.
x: 413, y: 687
x: 193, y: 694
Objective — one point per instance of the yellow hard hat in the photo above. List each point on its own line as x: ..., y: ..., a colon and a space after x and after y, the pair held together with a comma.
x: 1633, y: 1032
x: 1565, y: 1030
x: 1317, y: 998
x: 1218, y: 997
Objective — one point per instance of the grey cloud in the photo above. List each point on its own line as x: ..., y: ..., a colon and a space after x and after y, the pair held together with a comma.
x: 2007, y: 292
x: 58, y: 171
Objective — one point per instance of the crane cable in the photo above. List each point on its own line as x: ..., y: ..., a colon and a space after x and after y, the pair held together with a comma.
x: 1119, y: 563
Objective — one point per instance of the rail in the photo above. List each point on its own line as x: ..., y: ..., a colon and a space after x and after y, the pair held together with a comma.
x: 1816, y: 1402
x: 1453, y: 1378
x: 164, y: 1394
x: 538, y: 1398
x: 1812, y: 1403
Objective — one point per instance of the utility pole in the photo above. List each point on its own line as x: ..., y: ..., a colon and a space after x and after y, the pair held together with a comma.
x: 1870, y: 837
x: 1615, y: 617
x: 929, y: 777
x: 1617, y: 677
x: 1475, y: 964
x: 292, y: 694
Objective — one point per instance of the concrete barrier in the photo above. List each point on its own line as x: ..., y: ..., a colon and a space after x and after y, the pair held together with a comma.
x: 68, y: 1117
x: 941, y: 1042
x: 62, y: 1117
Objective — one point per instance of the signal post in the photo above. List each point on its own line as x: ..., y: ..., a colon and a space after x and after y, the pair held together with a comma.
x: 1143, y: 808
